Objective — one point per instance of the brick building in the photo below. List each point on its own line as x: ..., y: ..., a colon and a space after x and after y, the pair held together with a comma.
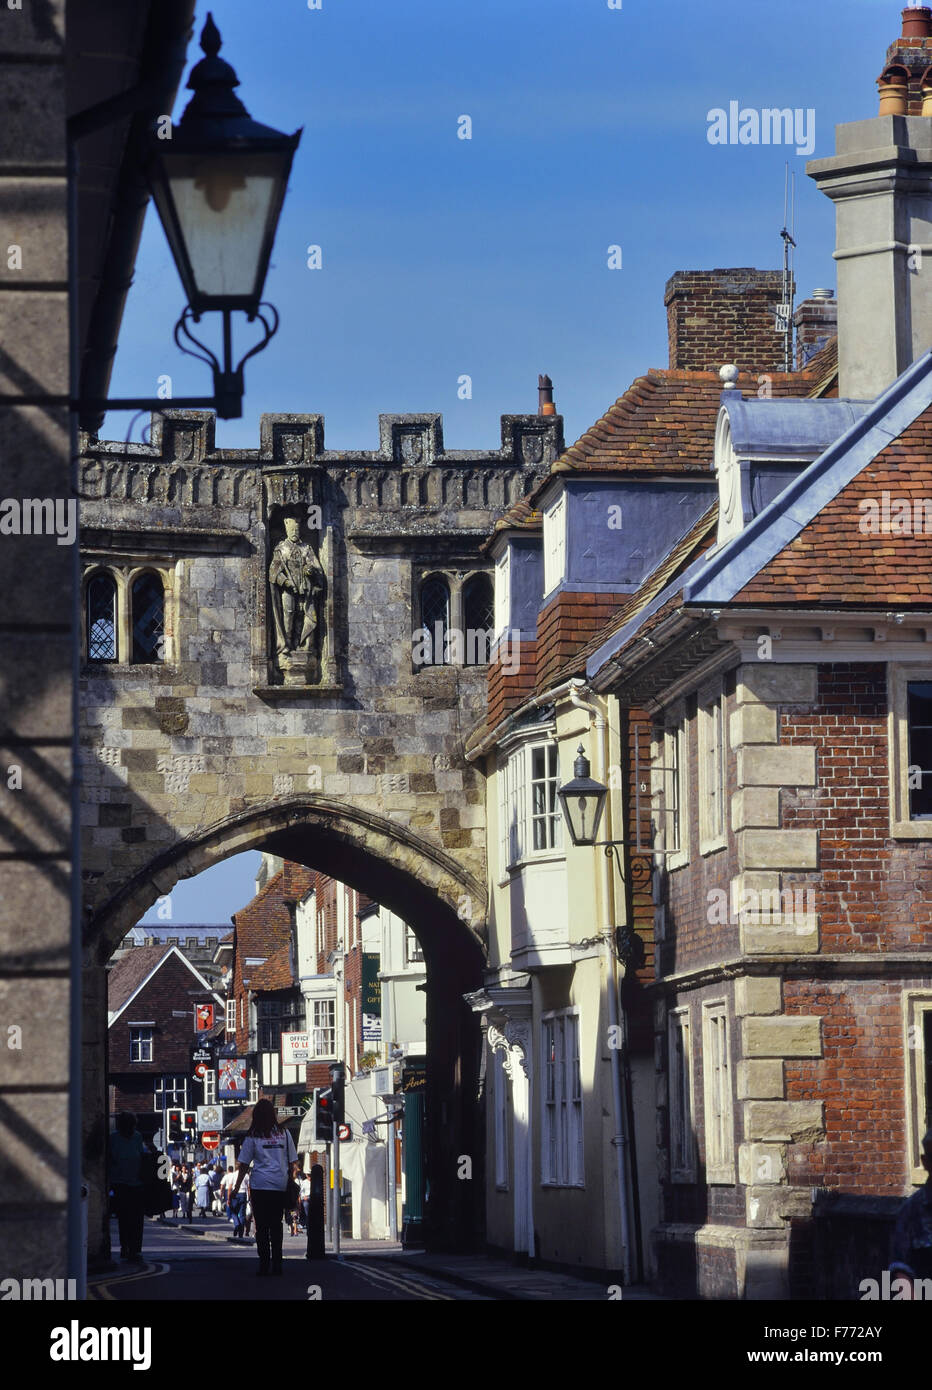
x: 567, y: 1003
x: 152, y: 994
x: 774, y: 653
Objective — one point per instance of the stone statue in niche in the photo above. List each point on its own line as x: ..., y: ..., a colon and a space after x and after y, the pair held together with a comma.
x: 297, y: 583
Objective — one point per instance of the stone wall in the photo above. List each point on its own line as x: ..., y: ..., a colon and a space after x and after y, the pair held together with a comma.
x: 35, y: 709
x: 214, y: 731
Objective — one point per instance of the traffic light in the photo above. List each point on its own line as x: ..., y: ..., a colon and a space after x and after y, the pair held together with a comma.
x: 175, y: 1126
x: 337, y: 1079
x: 190, y: 1122
x: 323, y: 1115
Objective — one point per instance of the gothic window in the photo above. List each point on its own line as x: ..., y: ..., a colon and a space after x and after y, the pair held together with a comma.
x: 478, y: 619
x: 435, y: 618
x: 148, y: 619
x: 101, y: 609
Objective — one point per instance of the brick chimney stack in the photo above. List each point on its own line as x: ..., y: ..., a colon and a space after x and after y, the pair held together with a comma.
x: 716, y: 316
x: 816, y: 323
x: 880, y: 180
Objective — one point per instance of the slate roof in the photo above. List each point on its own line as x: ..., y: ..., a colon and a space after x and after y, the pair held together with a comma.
x: 699, y: 538
x: 128, y: 973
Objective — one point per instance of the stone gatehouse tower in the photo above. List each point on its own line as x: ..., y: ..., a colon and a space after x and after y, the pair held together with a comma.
x: 270, y: 659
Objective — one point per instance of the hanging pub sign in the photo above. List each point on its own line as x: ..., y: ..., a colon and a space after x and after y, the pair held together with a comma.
x: 231, y: 1082
x: 203, y: 1017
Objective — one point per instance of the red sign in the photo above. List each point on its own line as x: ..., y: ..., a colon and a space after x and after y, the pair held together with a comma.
x: 344, y: 1133
x: 200, y: 1069
x: 203, y: 1017
x: 211, y: 1140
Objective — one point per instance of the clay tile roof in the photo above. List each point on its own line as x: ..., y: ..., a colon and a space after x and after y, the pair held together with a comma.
x: 665, y: 422
x: 276, y: 973
x: 823, y: 366
x: 128, y: 973
x: 699, y: 538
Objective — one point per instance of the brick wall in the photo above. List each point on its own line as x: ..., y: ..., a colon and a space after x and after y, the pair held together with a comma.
x: 510, y: 687
x: 172, y: 988
x: 724, y: 316
x: 566, y: 624
x: 871, y: 892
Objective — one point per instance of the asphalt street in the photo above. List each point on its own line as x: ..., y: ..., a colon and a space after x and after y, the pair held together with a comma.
x: 188, y: 1267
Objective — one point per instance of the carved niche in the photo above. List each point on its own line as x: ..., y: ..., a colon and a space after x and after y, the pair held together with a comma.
x: 297, y: 589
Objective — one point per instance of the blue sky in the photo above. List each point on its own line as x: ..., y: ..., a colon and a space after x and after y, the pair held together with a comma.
x: 488, y: 257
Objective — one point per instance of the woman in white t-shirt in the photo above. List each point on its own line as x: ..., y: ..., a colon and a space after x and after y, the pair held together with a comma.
x: 272, y: 1153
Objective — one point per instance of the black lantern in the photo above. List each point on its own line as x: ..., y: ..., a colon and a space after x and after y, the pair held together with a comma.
x: 583, y: 802
x: 218, y: 185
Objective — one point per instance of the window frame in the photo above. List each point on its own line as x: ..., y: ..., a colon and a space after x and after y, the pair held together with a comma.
x: 160, y: 1089
x: 139, y: 1028
x: 317, y: 1030
x: 713, y: 783
x: 230, y: 1020
x: 137, y: 577
x: 92, y: 575
x: 676, y: 786
x: 562, y: 1150
x: 917, y: 1016
x: 554, y: 541
x: 516, y: 794
x: 718, y: 1094
x: 899, y: 678
x: 681, y: 1095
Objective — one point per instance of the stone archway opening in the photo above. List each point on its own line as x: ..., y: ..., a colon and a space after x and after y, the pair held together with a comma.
x: 426, y: 888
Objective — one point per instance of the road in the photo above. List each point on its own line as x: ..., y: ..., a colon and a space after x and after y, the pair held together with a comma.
x: 187, y: 1267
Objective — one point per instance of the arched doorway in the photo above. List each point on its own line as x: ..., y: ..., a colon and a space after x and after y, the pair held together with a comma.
x: 442, y: 903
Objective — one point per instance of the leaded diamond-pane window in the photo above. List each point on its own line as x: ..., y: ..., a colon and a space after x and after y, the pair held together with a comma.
x: 478, y: 618
x: 101, y: 618
x: 435, y: 617
x: 148, y: 619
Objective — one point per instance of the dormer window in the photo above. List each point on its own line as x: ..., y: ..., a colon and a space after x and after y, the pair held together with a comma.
x: 555, y: 544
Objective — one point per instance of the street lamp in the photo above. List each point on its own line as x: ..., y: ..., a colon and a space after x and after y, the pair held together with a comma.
x: 218, y: 184
x: 583, y: 801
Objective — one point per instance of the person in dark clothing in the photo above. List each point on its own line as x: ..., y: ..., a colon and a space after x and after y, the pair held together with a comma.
x: 126, y: 1151
x: 912, y: 1238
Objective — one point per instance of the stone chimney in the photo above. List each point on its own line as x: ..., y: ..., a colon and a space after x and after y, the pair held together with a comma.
x: 880, y: 180
x: 816, y: 324
x: 716, y: 316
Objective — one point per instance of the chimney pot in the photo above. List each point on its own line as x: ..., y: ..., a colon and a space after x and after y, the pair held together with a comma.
x: 917, y: 22
x: 545, y: 405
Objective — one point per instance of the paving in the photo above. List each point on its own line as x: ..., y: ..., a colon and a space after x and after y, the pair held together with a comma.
x: 481, y: 1274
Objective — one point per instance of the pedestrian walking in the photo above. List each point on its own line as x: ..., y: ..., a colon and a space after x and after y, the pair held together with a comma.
x: 304, y: 1197
x: 177, y: 1191
x: 187, y: 1190
x: 912, y: 1237
x: 202, y: 1190
x: 271, y: 1152
x: 126, y: 1180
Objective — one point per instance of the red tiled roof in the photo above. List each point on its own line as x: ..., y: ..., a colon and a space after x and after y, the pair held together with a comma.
x: 276, y: 973
x: 833, y: 560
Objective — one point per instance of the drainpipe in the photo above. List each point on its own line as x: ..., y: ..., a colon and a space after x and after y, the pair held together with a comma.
x: 620, y: 1138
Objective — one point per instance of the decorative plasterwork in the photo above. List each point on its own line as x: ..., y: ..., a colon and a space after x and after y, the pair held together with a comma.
x: 507, y: 1016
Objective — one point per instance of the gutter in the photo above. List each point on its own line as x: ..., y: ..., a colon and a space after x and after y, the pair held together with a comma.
x: 505, y: 726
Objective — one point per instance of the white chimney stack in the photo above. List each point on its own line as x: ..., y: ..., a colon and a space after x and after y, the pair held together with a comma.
x: 880, y: 180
